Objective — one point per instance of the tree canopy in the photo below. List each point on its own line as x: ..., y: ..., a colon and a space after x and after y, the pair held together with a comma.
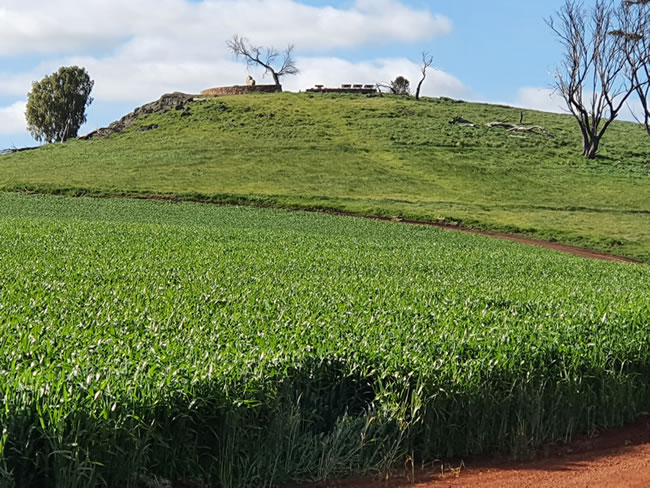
x: 56, y: 106
x: 400, y: 86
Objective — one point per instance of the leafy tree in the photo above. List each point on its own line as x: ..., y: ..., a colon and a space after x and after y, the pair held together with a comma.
x: 267, y: 58
x: 56, y: 106
x: 400, y: 86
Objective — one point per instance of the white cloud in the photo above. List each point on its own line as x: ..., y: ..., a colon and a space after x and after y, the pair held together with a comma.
x: 544, y: 99
x: 123, y: 79
x: 12, y: 119
x: 334, y: 71
x: 18, y: 84
x: 150, y: 47
x: 173, y: 27
x: 547, y: 100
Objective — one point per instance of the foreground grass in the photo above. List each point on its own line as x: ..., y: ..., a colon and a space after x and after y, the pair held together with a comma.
x: 381, y: 156
x: 243, y: 346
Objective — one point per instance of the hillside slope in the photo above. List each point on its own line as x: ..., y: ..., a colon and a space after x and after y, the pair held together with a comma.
x: 381, y: 156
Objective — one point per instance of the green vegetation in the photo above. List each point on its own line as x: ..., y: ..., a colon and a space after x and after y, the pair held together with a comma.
x: 383, y: 156
x: 56, y: 106
x: 240, y: 345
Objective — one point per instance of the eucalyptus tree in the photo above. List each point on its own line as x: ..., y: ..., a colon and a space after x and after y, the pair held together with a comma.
x: 56, y: 105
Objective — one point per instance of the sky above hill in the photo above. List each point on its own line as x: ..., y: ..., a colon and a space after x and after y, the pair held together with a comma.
x: 136, y: 50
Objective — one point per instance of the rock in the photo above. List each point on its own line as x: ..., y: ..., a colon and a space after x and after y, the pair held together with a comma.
x: 170, y: 101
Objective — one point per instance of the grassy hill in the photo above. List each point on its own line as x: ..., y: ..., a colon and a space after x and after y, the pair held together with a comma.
x: 382, y: 156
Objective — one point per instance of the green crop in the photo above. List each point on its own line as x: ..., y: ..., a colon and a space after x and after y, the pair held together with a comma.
x: 246, y: 347
x: 383, y: 156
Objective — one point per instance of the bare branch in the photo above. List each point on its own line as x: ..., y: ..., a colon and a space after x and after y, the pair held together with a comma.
x: 633, y: 36
x: 537, y: 129
x: 399, y: 86
x: 427, y: 61
x: 264, y: 57
x: 592, y: 76
x: 288, y: 63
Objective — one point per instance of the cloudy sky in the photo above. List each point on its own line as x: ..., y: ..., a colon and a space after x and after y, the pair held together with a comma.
x: 136, y: 50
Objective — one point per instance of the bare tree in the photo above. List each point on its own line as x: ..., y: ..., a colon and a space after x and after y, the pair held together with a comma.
x: 634, y: 37
x: 427, y: 61
x: 591, y: 78
x: 266, y: 57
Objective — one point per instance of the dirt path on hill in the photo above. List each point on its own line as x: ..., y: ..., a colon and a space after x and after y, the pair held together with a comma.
x: 577, y: 251
x: 618, y: 458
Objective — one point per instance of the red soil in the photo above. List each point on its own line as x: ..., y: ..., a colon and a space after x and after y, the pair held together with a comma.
x: 617, y: 458
x: 577, y: 251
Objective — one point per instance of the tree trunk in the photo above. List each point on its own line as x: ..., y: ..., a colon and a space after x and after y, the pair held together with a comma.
x: 276, y: 78
x: 417, y: 92
x: 590, y: 147
x: 590, y: 142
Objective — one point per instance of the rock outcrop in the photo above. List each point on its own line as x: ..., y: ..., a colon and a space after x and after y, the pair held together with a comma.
x: 170, y: 101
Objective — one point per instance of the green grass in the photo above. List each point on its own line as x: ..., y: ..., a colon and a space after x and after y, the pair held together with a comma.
x: 381, y: 156
x: 239, y: 345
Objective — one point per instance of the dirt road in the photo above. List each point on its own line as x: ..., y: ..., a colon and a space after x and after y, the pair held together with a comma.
x: 577, y: 251
x: 618, y: 458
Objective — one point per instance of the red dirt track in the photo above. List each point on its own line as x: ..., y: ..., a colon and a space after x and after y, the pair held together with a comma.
x: 576, y: 251
x: 617, y: 458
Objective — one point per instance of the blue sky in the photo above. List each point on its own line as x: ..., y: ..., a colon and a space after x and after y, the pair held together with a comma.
x: 499, y: 51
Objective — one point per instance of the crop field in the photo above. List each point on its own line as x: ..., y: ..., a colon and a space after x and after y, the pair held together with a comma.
x: 386, y: 156
x: 245, y: 347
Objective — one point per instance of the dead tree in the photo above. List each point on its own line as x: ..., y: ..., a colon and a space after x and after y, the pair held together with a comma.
x: 463, y: 122
x: 266, y: 57
x: 536, y: 129
x: 427, y: 61
x: 634, y: 37
x: 591, y: 78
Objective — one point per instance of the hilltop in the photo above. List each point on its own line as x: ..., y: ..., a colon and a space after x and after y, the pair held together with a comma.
x: 384, y: 156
